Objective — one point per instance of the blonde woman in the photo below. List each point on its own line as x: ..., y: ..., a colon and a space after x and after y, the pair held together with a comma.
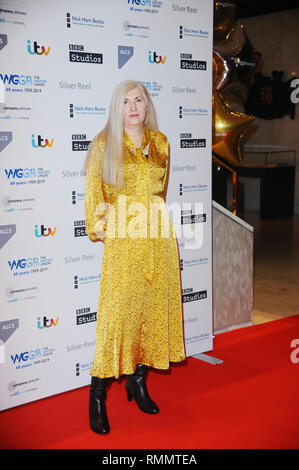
x: 139, y: 317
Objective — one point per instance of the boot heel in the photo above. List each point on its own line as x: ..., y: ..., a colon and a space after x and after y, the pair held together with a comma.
x: 129, y: 395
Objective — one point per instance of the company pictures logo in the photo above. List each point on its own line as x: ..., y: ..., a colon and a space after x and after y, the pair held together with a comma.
x: 187, y: 62
x: 135, y: 30
x: 77, y: 54
x: 36, y: 49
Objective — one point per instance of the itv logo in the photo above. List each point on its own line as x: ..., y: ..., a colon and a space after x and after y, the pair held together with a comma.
x: 39, y: 142
x: 39, y: 50
x: 154, y: 58
x: 46, y: 322
x: 43, y: 230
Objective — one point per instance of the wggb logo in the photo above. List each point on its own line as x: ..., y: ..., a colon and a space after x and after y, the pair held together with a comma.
x: 22, y: 83
x: 20, y: 173
x: 16, y: 79
x: 145, y: 6
x: 23, y: 263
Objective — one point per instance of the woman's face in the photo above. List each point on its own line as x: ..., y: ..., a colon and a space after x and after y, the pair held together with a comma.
x: 135, y: 108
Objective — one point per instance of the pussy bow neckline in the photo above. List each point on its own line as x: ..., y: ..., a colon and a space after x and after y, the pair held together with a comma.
x: 130, y: 144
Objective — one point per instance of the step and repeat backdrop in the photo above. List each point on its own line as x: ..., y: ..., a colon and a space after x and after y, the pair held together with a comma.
x: 60, y: 62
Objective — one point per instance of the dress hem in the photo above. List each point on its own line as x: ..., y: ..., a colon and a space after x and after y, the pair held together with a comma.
x: 93, y: 373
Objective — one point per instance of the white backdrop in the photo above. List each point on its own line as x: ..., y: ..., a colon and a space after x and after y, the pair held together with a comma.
x: 60, y: 62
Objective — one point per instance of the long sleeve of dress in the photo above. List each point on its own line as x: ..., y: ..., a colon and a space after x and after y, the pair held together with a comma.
x: 166, y: 175
x: 95, y: 213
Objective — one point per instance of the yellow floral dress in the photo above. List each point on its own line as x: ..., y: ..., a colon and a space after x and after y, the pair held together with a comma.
x: 139, y: 317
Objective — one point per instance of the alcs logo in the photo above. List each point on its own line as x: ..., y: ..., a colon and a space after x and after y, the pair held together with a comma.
x: 39, y: 50
x: 39, y: 142
x: 155, y: 58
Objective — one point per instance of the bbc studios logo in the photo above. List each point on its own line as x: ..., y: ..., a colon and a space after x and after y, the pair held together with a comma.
x: 79, y: 228
x: 188, y: 63
x: 80, y: 143
x: 190, y: 296
x: 77, y: 54
x: 188, y: 142
x: 188, y: 218
x: 85, y: 315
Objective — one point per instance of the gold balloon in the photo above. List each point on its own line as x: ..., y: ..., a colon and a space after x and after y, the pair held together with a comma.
x: 222, y: 71
x: 230, y: 130
x: 224, y: 18
x: 233, y: 43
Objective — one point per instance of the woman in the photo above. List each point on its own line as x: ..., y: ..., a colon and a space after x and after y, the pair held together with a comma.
x: 139, y: 318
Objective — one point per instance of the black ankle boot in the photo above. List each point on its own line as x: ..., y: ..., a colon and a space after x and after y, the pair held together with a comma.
x: 98, y: 419
x: 136, y: 388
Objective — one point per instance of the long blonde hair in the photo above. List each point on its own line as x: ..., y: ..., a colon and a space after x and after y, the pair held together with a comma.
x: 111, y: 168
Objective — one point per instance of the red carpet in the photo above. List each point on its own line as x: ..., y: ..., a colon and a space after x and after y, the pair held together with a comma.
x: 248, y: 402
